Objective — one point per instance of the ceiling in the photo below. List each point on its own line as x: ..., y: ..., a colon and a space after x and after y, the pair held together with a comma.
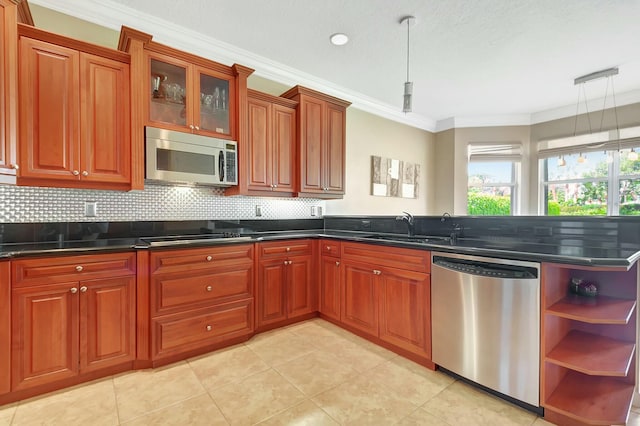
x: 490, y: 62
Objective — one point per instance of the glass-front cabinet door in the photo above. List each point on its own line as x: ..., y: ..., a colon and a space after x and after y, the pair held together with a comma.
x: 216, y: 100
x: 168, y: 93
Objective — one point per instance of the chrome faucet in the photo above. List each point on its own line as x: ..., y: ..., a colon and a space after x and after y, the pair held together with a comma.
x: 456, y: 228
x: 408, y: 217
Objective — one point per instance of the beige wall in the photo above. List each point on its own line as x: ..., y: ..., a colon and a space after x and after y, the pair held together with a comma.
x: 445, y: 175
x: 368, y: 135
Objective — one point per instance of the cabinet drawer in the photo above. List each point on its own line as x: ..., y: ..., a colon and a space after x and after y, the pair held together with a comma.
x: 170, y: 261
x: 401, y: 258
x: 179, y: 291
x: 174, y: 334
x: 289, y: 247
x: 330, y: 248
x: 45, y: 270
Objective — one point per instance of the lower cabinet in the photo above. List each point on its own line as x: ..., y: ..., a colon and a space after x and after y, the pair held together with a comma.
x: 330, y: 279
x: 387, y: 295
x: 286, y: 281
x: 200, y: 297
x: 69, y: 319
x: 588, y: 345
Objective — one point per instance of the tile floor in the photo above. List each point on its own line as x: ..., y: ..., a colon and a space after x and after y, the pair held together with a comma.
x: 311, y: 373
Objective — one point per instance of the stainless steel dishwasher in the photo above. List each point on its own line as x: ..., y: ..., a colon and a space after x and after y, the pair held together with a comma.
x: 485, y: 317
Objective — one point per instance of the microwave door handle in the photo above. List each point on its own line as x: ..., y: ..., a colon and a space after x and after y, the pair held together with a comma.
x: 221, y: 166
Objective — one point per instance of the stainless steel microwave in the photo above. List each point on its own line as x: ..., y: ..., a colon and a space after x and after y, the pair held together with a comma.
x: 188, y: 158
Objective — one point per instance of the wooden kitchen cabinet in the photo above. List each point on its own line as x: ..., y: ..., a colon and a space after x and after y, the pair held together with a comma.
x: 267, y: 159
x: 186, y: 97
x: 330, y: 279
x: 285, y: 283
x: 5, y: 327
x: 8, y: 90
x: 588, y: 344
x: 200, y: 297
x: 71, y: 316
x: 321, y: 123
x: 387, y: 295
x: 73, y: 112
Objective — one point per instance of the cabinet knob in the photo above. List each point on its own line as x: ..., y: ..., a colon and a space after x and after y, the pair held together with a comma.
x: 197, y: 127
x: 209, y: 328
x: 328, y: 248
x: 337, y: 263
x: 209, y: 288
x: 14, y: 166
x: 85, y: 173
x: 285, y: 262
x: 271, y: 186
x: 376, y: 272
x: 209, y: 258
x: 73, y: 290
x: 79, y: 268
x: 287, y: 249
x: 191, y: 126
x: 275, y: 186
x: 75, y: 173
x: 83, y: 289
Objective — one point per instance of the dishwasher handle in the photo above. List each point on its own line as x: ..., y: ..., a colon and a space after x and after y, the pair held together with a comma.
x: 485, y: 269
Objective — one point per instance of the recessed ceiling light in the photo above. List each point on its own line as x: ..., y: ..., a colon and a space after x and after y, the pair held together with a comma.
x: 339, y: 39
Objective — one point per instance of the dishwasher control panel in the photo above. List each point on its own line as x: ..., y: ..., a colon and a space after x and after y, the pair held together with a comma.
x: 486, y: 269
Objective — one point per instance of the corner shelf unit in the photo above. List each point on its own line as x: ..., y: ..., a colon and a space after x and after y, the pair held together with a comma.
x: 588, y: 346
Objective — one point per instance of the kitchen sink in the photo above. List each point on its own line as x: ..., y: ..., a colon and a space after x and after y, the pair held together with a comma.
x: 422, y: 239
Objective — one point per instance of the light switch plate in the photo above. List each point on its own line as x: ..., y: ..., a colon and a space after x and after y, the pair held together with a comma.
x: 258, y: 211
x: 91, y: 208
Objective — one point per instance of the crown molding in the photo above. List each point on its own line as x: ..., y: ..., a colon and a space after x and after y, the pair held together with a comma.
x: 113, y: 15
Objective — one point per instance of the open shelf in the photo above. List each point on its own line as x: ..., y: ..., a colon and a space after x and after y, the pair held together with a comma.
x: 592, y: 399
x: 593, y: 354
x: 594, y: 310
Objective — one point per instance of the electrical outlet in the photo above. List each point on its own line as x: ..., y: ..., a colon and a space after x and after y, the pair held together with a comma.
x: 258, y: 211
x: 314, y: 210
x: 91, y: 208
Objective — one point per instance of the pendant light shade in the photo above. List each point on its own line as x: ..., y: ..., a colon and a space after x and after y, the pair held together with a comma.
x: 408, y: 85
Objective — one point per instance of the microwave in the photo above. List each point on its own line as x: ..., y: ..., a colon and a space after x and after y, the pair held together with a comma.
x: 178, y: 157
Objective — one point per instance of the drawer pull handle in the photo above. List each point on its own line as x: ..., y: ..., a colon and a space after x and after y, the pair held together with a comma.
x: 73, y: 290
x: 79, y: 268
x: 209, y: 288
x: 209, y: 328
x: 83, y: 289
x: 337, y: 263
x: 287, y: 249
x: 209, y: 258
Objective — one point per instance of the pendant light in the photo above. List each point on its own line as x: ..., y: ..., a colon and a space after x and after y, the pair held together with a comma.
x: 561, y: 161
x: 408, y: 85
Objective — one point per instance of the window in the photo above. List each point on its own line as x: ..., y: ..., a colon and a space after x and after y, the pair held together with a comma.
x: 493, y: 174
x: 595, y: 174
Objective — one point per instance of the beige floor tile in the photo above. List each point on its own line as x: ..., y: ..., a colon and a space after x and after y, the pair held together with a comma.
x: 256, y: 397
x: 93, y: 404
x: 141, y: 392
x: 359, y: 356
x: 363, y: 401
x: 542, y: 422
x: 280, y: 347
x: 6, y: 413
x: 200, y: 410
x: 634, y: 418
x: 414, y: 382
x: 315, y: 372
x: 226, y: 366
x: 321, y: 333
x: 304, y: 414
x: 422, y: 418
x: 461, y: 404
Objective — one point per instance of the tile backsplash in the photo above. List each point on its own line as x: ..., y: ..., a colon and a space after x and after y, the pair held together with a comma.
x: 20, y: 204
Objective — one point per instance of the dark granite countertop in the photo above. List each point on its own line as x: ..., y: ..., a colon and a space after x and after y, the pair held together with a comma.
x: 585, y: 255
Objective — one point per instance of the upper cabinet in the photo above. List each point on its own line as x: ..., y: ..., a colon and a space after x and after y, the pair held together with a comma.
x: 267, y: 154
x: 321, y: 133
x: 185, y: 97
x: 8, y: 90
x: 73, y: 112
x: 180, y: 91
